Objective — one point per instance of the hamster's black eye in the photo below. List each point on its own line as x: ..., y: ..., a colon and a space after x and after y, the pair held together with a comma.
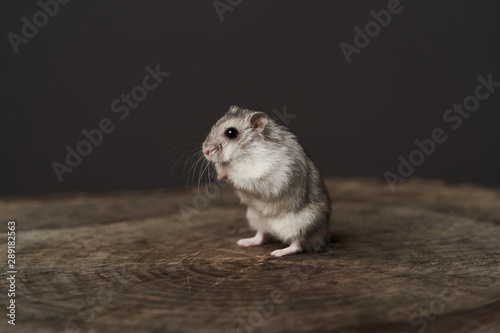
x: 231, y: 133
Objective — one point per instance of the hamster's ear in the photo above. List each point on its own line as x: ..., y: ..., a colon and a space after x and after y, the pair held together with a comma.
x: 259, y: 121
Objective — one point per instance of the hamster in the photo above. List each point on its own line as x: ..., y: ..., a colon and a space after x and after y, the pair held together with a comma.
x: 283, y: 189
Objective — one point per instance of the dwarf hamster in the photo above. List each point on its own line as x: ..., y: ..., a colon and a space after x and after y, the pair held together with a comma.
x: 283, y: 189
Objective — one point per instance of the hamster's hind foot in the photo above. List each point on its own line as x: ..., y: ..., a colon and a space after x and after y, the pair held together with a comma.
x: 292, y: 249
x: 258, y: 239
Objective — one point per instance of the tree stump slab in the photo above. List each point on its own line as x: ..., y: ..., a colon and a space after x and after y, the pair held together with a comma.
x: 422, y: 258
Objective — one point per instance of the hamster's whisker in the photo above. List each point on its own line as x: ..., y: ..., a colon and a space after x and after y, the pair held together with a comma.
x: 164, y: 156
x: 210, y: 173
x: 207, y: 172
x: 196, y: 151
x: 193, y: 167
x: 180, y: 158
x: 190, y: 156
x: 178, y: 146
x: 213, y: 172
x: 201, y: 158
x: 204, y: 167
x: 189, y: 160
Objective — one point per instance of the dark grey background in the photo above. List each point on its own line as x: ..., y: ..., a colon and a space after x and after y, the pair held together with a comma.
x: 353, y: 119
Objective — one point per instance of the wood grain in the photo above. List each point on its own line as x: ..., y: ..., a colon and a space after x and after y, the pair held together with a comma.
x: 422, y: 259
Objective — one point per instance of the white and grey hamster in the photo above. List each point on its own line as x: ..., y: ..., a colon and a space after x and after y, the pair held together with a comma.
x: 283, y: 189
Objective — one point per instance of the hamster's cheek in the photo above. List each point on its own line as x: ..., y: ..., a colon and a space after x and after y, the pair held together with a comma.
x: 229, y: 153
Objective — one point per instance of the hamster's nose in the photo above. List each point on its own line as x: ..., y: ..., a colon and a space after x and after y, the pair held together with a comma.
x: 206, y: 151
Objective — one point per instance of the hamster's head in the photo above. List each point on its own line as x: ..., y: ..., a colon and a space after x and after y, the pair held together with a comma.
x: 235, y: 135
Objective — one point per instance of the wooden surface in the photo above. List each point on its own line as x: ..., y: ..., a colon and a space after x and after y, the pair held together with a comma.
x: 422, y: 259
